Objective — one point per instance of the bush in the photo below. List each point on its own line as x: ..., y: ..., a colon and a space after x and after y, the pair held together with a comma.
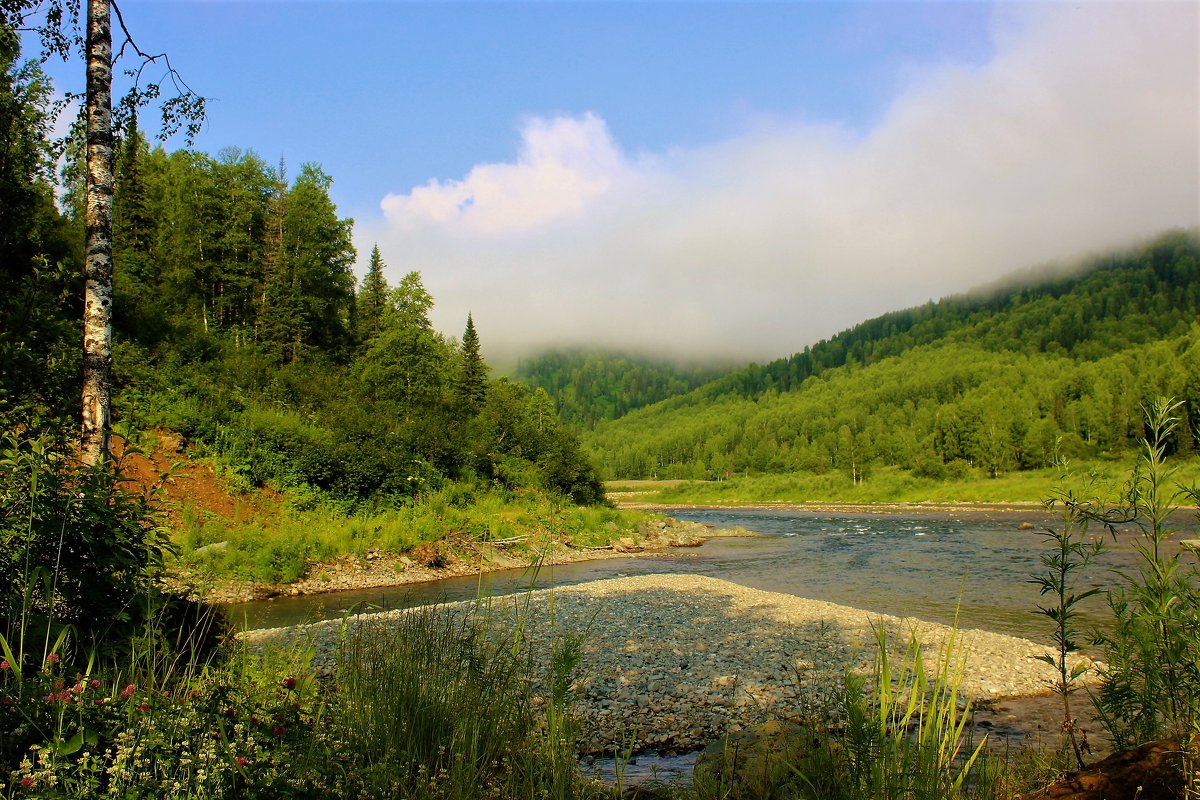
x: 78, y: 549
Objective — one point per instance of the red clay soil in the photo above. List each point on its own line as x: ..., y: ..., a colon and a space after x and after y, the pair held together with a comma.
x: 184, y: 481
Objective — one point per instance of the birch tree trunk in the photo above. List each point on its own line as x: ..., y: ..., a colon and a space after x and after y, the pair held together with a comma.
x: 98, y: 265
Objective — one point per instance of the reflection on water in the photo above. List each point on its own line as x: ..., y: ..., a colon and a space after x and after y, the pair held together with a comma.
x: 916, y: 564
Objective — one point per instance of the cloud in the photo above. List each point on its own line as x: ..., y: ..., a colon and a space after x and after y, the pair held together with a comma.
x: 564, y: 163
x: 1080, y: 134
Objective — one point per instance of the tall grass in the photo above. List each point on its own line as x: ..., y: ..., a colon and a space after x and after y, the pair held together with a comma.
x: 437, y: 703
x: 897, y: 733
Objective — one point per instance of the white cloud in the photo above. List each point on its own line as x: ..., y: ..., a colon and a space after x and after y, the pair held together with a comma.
x: 1080, y: 134
x: 564, y: 163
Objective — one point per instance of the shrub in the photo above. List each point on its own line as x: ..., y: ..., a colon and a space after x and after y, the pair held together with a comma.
x: 78, y: 549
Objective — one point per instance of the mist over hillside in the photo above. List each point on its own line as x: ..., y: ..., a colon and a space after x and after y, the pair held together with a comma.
x: 995, y: 380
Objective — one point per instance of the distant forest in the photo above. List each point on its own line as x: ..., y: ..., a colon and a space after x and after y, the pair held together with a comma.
x: 991, y: 381
x: 588, y: 386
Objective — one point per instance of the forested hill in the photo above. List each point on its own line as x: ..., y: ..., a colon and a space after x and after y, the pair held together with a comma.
x: 592, y: 385
x: 1112, y: 302
x: 985, y: 381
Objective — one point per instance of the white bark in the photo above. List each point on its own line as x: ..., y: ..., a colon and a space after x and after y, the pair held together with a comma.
x: 98, y: 266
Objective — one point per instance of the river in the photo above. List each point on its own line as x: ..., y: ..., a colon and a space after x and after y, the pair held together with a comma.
x: 922, y: 564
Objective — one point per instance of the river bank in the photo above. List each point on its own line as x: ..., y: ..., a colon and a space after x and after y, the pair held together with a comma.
x: 452, y: 558
x: 669, y: 662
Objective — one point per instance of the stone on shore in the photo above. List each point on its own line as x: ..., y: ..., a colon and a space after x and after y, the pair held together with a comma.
x: 671, y: 662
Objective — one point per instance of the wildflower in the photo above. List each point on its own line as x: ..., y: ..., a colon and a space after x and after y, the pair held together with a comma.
x: 289, y: 683
x: 26, y: 782
x: 95, y: 684
x: 144, y: 707
x: 5, y: 666
x: 52, y: 658
x: 240, y: 761
x: 127, y: 691
x: 279, y: 731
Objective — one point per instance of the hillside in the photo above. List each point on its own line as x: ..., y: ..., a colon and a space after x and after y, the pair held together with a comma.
x: 588, y: 386
x: 989, y: 381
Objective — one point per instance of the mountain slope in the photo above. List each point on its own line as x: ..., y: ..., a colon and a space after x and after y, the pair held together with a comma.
x: 984, y: 381
x: 592, y: 385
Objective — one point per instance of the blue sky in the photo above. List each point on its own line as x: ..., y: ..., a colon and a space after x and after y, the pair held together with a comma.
x: 387, y: 95
x: 737, y: 179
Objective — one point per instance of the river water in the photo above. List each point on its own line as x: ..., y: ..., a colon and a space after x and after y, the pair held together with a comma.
x: 922, y: 564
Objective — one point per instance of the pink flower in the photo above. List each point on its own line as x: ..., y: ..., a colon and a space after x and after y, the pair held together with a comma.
x: 26, y: 782
x: 52, y: 658
x: 289, y: 683
x: 144, y: 707
x: 95, y: 684
x: 127, y: 691
x: 240, y: 761
x: 5, y: 666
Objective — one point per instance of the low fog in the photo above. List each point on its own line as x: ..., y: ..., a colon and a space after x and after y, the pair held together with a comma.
x: 1079, y: 135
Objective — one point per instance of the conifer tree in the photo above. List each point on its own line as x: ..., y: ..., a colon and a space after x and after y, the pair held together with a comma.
x: 471, y: 386
x: 372, y: 301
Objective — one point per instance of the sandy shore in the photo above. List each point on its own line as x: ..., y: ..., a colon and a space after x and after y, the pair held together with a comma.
x: 672, y: 661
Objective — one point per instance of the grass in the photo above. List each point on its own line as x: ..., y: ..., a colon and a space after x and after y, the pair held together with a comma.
x: 887, y: 485
x: 281, y: 545
x: 436, y: 706
x: 896, y: 733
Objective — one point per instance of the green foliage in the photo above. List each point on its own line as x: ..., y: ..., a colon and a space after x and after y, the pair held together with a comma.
x: 281, y: 549
x: 590, y: 386
x: 1071, y: 552
x: 436, y: 703
x: 372, y: 300
x: 78, y: 550
x: 960, y: 384
x: 40, y: 326
x: 437, y: 706
x: 471, y: 383
x: 898, y: 733
x: 1150, y: 685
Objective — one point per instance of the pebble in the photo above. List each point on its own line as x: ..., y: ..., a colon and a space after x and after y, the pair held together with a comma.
x: 763, y: 652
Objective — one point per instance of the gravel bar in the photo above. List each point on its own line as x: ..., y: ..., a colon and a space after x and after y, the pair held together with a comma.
x: 672, y: 661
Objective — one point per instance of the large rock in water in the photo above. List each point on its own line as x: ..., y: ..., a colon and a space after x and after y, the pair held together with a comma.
x: 1151, y: 772
x: 755, y: 764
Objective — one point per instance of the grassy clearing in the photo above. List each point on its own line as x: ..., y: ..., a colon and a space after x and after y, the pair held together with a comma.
x: 281, y: 544
x: 891, y: 485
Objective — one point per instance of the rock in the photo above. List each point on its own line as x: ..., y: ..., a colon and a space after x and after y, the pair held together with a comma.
x: 1025, y: 526
x: 215, y: 547
x: 1151, y: 772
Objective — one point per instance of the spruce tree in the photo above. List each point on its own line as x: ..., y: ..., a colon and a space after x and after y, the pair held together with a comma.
x: 471, y: 387
x: 372, y: 301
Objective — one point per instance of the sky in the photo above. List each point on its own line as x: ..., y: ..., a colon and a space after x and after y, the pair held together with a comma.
x: 718, y: 179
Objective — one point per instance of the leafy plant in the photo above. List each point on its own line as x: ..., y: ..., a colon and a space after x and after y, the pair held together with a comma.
x: 1151, y: 682
x: 1071, y: 552
x: 78, y: 548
